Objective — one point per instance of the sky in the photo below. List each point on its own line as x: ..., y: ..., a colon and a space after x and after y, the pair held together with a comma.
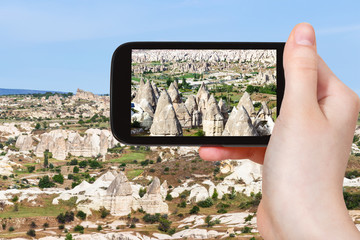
x: 65, y: 45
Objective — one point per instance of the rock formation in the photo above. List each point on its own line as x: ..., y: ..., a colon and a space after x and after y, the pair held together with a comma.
x: 119, y: 199
x: 152, y: 201
x: 246, y: 102
x: 145, y: 97
x: 239, y: 124
x: 165, y: 121
x: 174, y: 93
x: 202, y: 97
x: 223, y: 109
x: 213, y: 120
x: 183, y: 115
x: 60, y: 143
x: 192, y: 107
x: 24, y: 143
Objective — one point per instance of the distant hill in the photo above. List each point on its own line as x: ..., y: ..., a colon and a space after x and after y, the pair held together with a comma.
x: 7, y: 91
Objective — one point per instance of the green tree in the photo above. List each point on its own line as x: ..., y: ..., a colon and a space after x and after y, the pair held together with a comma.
x: 58, y: 178
x: 76, y: 169
x: 37, y: 126
x: 46, y: 158
x: 45, y: 182
x: 81, y: 215
x: 68, y: 237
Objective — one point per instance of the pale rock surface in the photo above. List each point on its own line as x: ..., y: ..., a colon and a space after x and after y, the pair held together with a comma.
x: 183, y: 115
x: 165, y: 122
x: 213, y: 120
x: 224, y: 109
x: 198, y: 193
x: 174, y: 93
x: 152, y: 201
x: 246, y: 102
x: 24, y: 143
x: 239, y: 124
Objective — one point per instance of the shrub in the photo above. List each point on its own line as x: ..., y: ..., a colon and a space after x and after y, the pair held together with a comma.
x: 355, y: 138
x: 222, y: 210
x: 158, y: 160
x: 83, y: 164
x: 31, y: 169
x: 194, y: 210
x: 81, y: 215
x: 11, y: 229
x: 79, y: 228
x: 142, y: 192
x: 15, y: 199
x: 68, y: 237
x: 99, y: 228
x: 33, y: 224
x: 246, y: 229
x: 45, y: 182
x: 31, y: 233
x: 206, y: 203
x: 166, y: 169
x: 352, y: 200
x: 58, y: 178
x: 76, y: 169
x: 61, y: 226
x: 74, y: 162
x: 132, y: 225
x: 3, y: 226
x: 65, y: 218
x: 169, y: 197
x: 249, y: 217
x: 104, y: 212
x: 215, y: 195
x: 182, y: 204
x: 199, y: 133
x: 352, y: 174
x: 164, y: 224
x: 45, y: 225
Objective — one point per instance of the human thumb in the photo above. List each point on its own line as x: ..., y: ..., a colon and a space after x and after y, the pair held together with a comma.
x: 300, y: 66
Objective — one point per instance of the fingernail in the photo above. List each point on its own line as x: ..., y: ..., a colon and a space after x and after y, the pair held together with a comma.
x: 305, y: 35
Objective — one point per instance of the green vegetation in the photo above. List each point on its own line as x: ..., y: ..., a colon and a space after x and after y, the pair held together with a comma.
x: 134, y: 173
x: 81, y: 215
x: 58, y: 178
x: 45, y: 182
x: 206, y: 203
x: 270, y: 89
x: 130, y: 157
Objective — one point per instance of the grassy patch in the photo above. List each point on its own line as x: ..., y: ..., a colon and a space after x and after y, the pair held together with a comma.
x: 48, y: 209
x: 129, y: 157
x: 134, y: 173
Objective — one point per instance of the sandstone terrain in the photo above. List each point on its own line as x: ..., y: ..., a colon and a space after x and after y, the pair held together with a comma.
x: 63, y: 175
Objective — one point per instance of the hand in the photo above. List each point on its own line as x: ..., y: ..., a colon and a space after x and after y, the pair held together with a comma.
x: 306, y: 157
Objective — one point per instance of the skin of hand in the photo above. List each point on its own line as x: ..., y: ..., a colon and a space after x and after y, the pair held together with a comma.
x: 305, y: 160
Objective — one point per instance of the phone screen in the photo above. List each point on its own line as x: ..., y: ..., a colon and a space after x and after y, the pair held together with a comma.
x: 203, y: 92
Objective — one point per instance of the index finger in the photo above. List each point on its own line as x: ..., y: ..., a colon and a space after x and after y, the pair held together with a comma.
x: 256, y: 154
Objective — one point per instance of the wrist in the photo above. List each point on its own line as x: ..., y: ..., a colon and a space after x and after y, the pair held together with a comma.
x: 295, y: 217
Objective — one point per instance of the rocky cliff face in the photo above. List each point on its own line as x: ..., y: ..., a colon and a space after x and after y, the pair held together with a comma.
x: 61, y: 142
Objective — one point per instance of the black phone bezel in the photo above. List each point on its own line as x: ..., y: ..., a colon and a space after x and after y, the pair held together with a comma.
x: 120, y: 94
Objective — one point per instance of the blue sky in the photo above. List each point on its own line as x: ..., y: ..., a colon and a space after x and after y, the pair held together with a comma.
x: 65, y: 45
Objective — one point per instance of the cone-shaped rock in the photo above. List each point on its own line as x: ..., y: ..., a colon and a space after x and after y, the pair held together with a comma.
x: 191, y: 104
x: 213, y: 120
x: 223, y: 108
x: 183, y: 115
x: 156, y: 90
x: 154, y: 187
x: 202, y: 97
x: 246, y: 102
x: 263, y: 111
x: 145, y: 92
x: 174, y: 93
x: 120, y: 186
x: 239, y: 124
x: 176, y: 84
x: 165, y: 122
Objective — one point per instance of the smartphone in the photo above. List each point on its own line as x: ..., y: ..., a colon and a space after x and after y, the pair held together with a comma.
x: 196, y: 93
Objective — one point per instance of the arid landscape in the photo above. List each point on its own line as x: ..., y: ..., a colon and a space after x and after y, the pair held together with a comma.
x: 203, y: 92
x: 64, y: 176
